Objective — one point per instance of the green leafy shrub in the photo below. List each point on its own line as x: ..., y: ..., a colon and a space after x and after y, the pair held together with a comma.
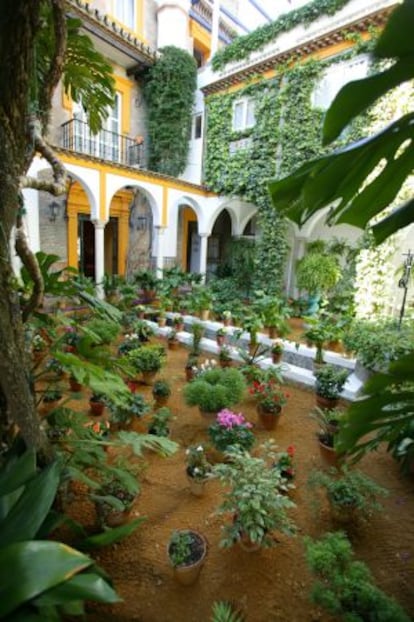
x: 345, y: 587
x: 215, y: 389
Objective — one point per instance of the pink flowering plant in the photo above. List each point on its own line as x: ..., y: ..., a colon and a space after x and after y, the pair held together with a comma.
x: 229, y: 430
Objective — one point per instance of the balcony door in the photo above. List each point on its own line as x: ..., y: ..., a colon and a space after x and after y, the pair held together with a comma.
x: 107, y: 143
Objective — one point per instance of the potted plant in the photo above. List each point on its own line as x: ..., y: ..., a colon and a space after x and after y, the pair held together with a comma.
x: 231, y: 430
x: 178, y: 322
x: 55, y: 368
x: 159, y: 422
x: 129, y: 412
x: 329, y: 382
x: 253, y: 499
x: 172, y: 340
x: 147, y: 281
x: 329, y: 422
x: 252, y: 324
x: 97, y: 404
x: 143, y: 330
x: 51, y: 399
x: 103, y: 332
x: 147, y: 360
x: 317, y: 273
x: 70, y: 339
x: 197, y: 331
x: 224, y: 356
x: 161, y: 391
x: 114, y: 500
x: 214, y: 389
x: 227, y: 317
x: 131, y: 341
x: 221, y: 334
x: 351, y: 494
x: 187, y: 550
x: 284, y: 463
x: 162, y: 318
x: 345, y: 586
x: 270, y: 397
x: 198, y: 469
x: 140, y: 311
x: 276, y: 351
x: 191, y: 366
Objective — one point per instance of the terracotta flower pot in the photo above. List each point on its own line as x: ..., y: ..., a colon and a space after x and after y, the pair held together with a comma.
x: 188, y: 574
x: 96, y: 408
x: 268, y: 420
x: 160, y: 400
x: 220, y: 340
x: 74, y: 385
x: 329, y: 455
x: 132, y: 385
x: 189, y: 373
x: 197, y: 485
x: 276, y: 357
x: 148, y: 377
x: 247, y: 545
x: 326, y: 403
x: 225, y: 363
x: 173, y: 344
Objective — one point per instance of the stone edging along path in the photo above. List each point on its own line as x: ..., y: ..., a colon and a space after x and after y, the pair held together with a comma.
x: 296, y: 365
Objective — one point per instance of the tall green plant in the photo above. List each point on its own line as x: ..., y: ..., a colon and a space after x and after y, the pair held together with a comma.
x: 169, y: 91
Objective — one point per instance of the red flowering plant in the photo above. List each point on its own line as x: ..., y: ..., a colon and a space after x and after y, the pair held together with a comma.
x: 284, y: 463
x: 269, y: 394
x: 231, y: 429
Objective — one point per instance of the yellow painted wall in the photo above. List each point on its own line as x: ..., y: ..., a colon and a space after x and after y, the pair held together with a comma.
x: 78, y: 204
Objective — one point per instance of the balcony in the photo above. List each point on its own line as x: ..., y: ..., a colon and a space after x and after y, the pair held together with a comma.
x: 109, y: 146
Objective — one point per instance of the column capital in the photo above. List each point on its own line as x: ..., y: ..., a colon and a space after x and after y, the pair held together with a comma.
x: 99, y: 224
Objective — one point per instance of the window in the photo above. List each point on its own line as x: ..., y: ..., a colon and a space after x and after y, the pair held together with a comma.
x: 197, y: 126
x: 105, y: 144
x: 335, y: 77
x: 124, y: 11
x: 243, y: 114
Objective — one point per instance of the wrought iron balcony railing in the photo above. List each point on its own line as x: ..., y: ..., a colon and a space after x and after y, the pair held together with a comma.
x: 106, y: 145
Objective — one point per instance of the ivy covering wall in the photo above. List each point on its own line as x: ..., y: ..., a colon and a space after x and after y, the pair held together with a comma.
x: 286, y: 134
x: 242, y: 46
x: 169, y: 91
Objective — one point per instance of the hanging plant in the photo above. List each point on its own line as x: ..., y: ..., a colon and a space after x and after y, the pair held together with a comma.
x: 169, y: 92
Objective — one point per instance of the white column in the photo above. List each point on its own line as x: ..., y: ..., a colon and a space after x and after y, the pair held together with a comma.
x: 203, y: 255
x: 215, y: 28
x: 159, y: 258
x: 99, y: 256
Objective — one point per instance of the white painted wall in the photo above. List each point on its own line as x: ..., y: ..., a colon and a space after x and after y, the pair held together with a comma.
x: 173, y: 23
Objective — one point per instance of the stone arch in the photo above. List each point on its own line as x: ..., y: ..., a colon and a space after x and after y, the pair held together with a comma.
x: 147, y: 190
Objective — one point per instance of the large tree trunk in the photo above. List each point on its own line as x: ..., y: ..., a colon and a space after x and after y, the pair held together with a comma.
x: 19, y: 22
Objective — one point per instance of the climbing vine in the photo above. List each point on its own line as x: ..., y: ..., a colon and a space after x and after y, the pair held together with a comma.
x: 244, y: 172
x: 243, y: 46
x: 287, y: 133
x: 169, y: 92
